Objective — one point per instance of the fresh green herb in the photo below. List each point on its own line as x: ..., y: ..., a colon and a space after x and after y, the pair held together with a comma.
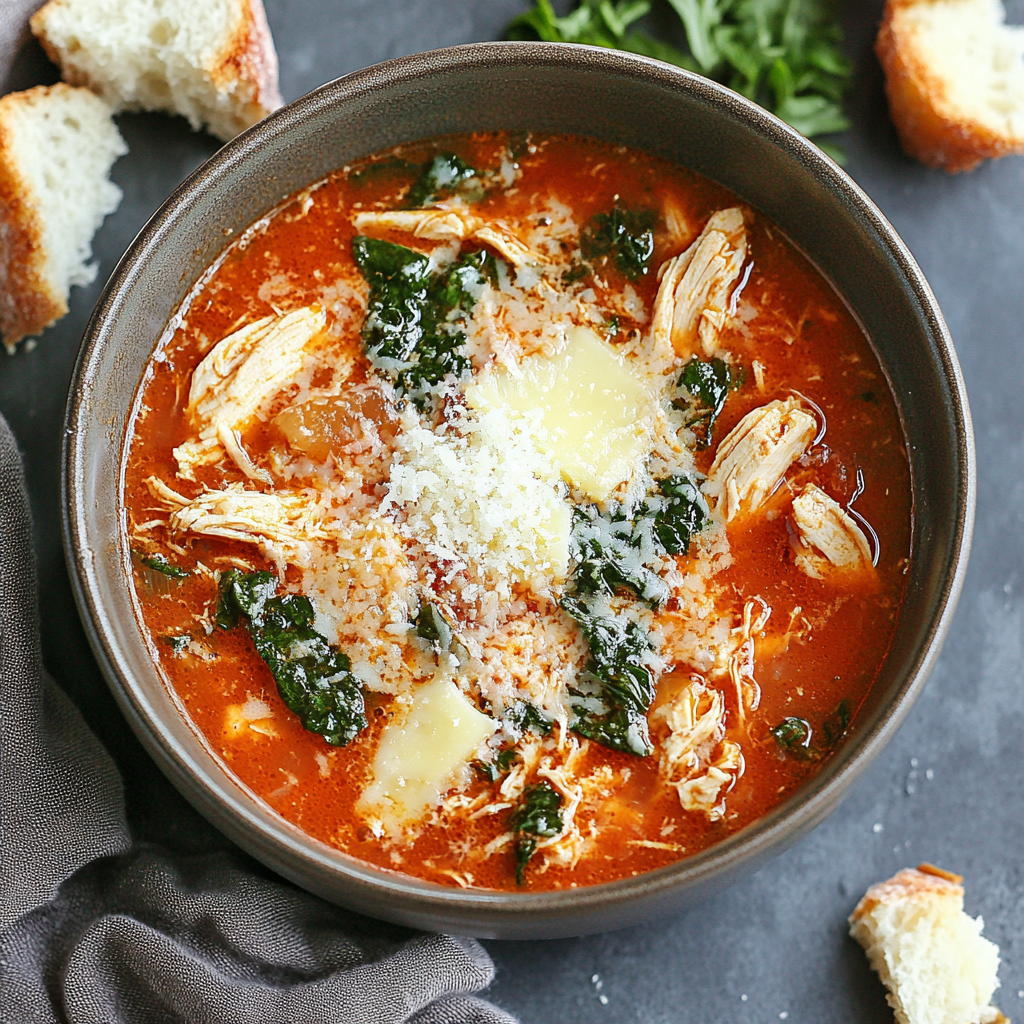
x: 415, y: 324
x: 596, y: 23
x: 313, y: 677
x: 704, y: 387
x: 625, y: 236
x: 524, y: 716
x: 783, y: 54
x: 178, y: 643
x: 613, y: 693
x: 538, y: 816
x: 446, y: 175
x: 793, y: 736
x: 487, y: 770
x: 432, y: 626
x: 160, y: 564
x: 796, y: 738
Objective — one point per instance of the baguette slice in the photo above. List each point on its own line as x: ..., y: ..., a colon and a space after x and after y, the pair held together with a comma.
x: 954, y: 74
x: 57, y: 145
x: 213, y: 61
x: 928, y: 952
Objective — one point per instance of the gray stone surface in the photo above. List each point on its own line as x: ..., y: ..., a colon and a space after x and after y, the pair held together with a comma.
x: 947, y: 789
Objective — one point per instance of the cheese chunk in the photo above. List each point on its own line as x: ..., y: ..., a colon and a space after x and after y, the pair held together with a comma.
x: 419, y: 758
x: 595, y: 414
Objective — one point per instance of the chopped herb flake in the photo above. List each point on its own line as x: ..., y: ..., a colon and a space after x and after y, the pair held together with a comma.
x: 312, y: 675
x: 178, y: 643
x: 432, y: 626
x: 525, y: 716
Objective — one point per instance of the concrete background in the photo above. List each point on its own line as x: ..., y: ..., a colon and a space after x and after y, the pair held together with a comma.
x: 947, y: 789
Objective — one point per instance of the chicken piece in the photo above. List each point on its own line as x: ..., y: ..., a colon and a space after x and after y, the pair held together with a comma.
x: 757, y: 453
x: 237, y: 376
x: 693, y: 299
x: 450, y: 226
x: 825, y: 527
x: 285, y: 527
x: 695, y: 758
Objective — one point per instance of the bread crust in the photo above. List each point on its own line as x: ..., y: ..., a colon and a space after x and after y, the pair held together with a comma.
x: 929, y: 127
x: 917, y: 881
x: 245, y: 68
x: 28, y: 303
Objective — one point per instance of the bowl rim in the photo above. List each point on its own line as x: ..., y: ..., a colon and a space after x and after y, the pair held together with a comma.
x: 272, y: 838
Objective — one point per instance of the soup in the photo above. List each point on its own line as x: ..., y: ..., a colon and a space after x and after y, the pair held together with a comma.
x: 517, y: 512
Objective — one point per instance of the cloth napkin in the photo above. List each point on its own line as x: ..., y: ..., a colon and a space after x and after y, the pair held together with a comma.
x: 98, y: 929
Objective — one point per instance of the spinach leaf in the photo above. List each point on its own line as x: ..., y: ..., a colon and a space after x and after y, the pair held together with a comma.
x: 615, y: 690
x: 704, y: 387
x: 538, y: 816
x: 160, y: 564
x: 783, y: 54
x: 524, y: 716
x: 178, y: 643
x: 793, y: 736
x: 313, y: 677
x: 415, y: 322
x: 432, y: 626
x: 796, y: 738
x: 493, y: 770
x: 445, y: 175
x: 683, y: 512
x: 627, y: 236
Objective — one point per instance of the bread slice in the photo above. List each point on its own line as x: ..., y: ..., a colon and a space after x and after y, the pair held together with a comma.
x: 928, y: 952
x: 212, y: 61
x: 57, y: 145
x: 954, y: 73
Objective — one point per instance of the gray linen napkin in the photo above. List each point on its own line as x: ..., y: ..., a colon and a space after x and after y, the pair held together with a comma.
x: 95, y: 929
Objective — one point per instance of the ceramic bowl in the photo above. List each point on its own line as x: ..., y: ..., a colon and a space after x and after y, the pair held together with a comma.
x: 551, y: 88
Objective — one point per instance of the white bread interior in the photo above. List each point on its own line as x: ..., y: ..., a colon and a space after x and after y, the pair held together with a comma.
x: 955, y: 77
x: 928, y: 952
x: 213, y: 61
x: 57, y: 145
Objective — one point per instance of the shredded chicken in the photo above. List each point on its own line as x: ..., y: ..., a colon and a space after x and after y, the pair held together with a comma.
x: 756, y: 454
x: 450, y: 226
x: 240, y: 373
x: 825, y: 527
x: 741, y: 663
x: 692, y: 305
x: 283, y: 526
x: 696, y: 759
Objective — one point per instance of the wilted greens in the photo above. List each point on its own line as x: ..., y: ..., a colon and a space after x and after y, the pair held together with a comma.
x: 538, y: 816
x: 623, y: 237
x: 312, y: 675
x: 703, y: 388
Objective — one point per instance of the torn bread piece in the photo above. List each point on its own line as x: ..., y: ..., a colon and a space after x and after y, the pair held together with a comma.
x: 756, y: 454
x: 212, y: 62
x: 693, y: 299
x: 57, y: 145
x: 929, y: 954
x: 829, y: 536
x: 954, y: 75
x: 450, y: 226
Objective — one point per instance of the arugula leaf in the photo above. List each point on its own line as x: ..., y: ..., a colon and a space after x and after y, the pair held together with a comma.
x: 538, y: 816
x: 313, y: 677
x: 415, y: 322
x: 627, y: 236
x: 160, y: 564
x: 446, y: 175
x: 783, y: 54
x: 705, y: 386
x: 615, y: 690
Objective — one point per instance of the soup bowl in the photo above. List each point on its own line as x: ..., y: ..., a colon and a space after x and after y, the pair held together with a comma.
x: 555, y: 88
